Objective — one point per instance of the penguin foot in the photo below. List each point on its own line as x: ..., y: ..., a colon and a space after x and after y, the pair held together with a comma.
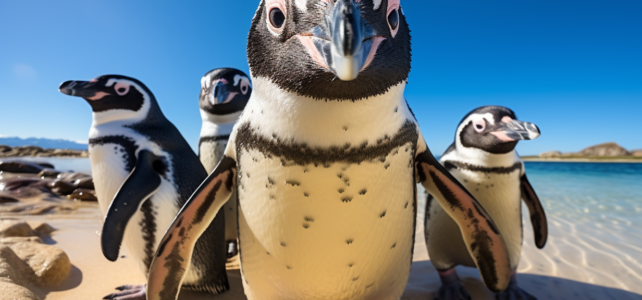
x: 513, y: 292
x: 232, y: 249
x: 452, y: 291
x: 129, y: 292
x: 451, y: 287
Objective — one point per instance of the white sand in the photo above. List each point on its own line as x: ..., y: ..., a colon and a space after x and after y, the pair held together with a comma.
x: 575, y: 264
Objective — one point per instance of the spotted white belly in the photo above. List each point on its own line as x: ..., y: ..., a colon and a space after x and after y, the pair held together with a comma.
x: 333, y: 231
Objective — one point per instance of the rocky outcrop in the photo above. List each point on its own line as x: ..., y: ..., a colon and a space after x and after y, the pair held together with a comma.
x: 606, y: 149
x: 551, y: 154
x: 26, y: 263
x: 6, y: 151
x: 601, y: 150
x: 25, y: 183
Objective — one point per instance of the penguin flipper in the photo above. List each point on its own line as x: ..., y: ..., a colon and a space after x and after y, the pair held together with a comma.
x: 538, y: 216
x: 483, y: 240
x: 174, y: 253
x: 141, y: 184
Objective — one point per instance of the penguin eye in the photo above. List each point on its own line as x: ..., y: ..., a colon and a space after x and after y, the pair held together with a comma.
x: 393, y: 16
x: 276, y: 16
x: 121, y: 88
x: 244, y: 87
x: 393, y: 19
x: 480, y: 125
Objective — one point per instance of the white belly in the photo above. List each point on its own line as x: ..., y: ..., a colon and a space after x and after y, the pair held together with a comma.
x: 108, y: 164
x: 500, y: 196
x: 210, y: 153
x: 337, y: 231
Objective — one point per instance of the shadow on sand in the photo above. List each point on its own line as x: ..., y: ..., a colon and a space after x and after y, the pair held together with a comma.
x: 424, y: 283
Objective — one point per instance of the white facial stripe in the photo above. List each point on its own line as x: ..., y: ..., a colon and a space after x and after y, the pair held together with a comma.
x: 123, y: 115
x: 302, y: 5
x: 377, y: 4
x: 239, y: 78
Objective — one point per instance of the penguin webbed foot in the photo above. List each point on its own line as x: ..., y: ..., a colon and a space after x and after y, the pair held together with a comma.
x: 513, y: 292
x: 129, y: 292
x: 452, y: 291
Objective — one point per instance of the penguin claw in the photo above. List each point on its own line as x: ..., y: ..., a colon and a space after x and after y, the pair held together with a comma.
x: 129, y: 292
x: 452, y: 291
x: 513, y: 292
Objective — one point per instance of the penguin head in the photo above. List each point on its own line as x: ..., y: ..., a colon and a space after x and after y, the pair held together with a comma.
x: 224, y: 91
x: 112, y: 97
x: 493, y: 129
x: 330, y: 49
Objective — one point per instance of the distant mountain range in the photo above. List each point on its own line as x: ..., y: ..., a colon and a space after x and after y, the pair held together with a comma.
x: 42, y: 143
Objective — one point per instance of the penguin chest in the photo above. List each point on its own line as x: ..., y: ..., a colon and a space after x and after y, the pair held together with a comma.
x: 500, y: 195
x: 326, y: 229
x: 211, y: 152
x: 111, y: 164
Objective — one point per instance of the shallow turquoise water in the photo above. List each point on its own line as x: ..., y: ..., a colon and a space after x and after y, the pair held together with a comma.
x: 598, y: 192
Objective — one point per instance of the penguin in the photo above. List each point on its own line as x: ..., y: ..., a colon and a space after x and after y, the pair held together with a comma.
x: 224, y: 94
x: 484, y: 160
x: 144, y: 171
x: 325, y: 159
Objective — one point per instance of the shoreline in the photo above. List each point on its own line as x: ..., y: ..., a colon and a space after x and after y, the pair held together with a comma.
x: 582, y: 160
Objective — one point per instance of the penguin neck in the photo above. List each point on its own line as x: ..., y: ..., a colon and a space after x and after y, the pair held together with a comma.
x: 217, y: 125
x: 275, y: 112
x: 478, y: 157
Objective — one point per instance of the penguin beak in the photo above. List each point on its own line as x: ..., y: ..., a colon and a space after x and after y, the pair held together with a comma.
x: 84, y: 89
x: 221, y: 94
x: 514, y: 130
x: 345, y: 44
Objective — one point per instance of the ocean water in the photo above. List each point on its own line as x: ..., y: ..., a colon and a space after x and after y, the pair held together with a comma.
x: 609, y: 194
x: 81, y: 165
x: 595, y: 223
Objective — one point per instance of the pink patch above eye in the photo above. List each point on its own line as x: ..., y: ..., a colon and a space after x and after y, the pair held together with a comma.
x: 507, y: 119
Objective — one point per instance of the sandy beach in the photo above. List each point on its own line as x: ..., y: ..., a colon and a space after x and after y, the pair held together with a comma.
x: 594, y: 250
x: 575, y: 264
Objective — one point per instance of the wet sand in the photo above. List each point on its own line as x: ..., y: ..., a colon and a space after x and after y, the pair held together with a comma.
x: 575, y: 264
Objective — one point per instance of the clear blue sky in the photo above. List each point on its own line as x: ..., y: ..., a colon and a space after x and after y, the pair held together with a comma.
x: 573, y: 67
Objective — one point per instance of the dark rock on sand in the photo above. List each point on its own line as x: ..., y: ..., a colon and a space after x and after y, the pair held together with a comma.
x: 20, y: 166
x: 7, y: 199
x: 48, y: 173
x: 85, y: 183
x: 61, y: 187
x: 84, y: 195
